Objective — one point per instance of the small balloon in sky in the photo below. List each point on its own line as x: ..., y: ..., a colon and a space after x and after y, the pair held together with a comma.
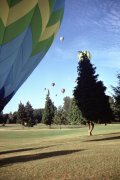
x: 53, y: 84
x: 61, y: 38
x: 63, y: 90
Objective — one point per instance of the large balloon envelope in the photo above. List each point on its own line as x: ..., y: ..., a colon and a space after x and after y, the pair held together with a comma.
x: 27, y: 30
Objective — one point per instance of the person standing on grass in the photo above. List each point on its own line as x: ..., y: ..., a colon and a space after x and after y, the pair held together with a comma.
x: 91, y: 127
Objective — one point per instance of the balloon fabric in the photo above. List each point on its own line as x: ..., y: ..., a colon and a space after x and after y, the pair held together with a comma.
x: 27, y: 30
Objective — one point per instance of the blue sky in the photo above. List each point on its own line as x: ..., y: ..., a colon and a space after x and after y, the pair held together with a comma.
x: 92, y: 25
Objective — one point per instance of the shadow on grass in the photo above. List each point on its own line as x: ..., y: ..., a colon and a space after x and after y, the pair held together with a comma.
x: 104, y: 139
x: 24, y: 149
x: 32, y: 157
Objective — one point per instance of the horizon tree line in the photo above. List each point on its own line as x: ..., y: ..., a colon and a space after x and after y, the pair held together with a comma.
x: 89, y: 104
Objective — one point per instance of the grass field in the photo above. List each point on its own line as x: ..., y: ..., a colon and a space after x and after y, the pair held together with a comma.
x: 54, y: 154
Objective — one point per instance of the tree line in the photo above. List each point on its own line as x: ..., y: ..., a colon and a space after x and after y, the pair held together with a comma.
x: 69, y: 113
x: 89, y: 104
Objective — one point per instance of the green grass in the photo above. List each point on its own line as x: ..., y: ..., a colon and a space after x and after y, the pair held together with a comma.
x: 54, y: 154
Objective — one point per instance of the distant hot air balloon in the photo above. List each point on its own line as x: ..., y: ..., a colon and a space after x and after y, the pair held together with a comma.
x: 82, y: 53
x: 53, y: 84
x: 63, y: 90
x: 61, y: 38
x: 27, y: 30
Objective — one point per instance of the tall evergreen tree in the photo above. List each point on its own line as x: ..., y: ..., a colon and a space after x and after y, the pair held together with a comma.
x: 90, y: 94
x: 14, y: 117
x: 29, y: 114
x: 3, y: 119
x: 67, y: 103
x: 49, y: 111
x: 21, y: 115
x: 10, y: 118
x: 117, y: 98
x: 74, y: 114
x: 37, y: 115
x: 60, y: 116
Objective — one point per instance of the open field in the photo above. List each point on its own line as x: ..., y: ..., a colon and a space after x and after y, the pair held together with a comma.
x: 54, y: 154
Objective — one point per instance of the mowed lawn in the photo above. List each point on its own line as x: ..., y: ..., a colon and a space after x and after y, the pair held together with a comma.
x: 60, y: 154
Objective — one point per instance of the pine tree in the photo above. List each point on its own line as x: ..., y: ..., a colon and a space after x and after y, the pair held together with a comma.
x: 29, y: 114
x: 90, y: 94
x: 49, y: 111
x: 21, y: 115
x: 3, y: 118
x: 60, y: 116
x: 14, y: 116
x: 37, y: 115
x: 74, y: 114
x: 117, y: 98
x: 67, y: 103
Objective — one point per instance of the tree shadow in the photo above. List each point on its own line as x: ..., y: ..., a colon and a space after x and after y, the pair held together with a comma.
x: 32, y: 157
x: 114, y: 133
x: 104, y: 139
x: 24, y: 149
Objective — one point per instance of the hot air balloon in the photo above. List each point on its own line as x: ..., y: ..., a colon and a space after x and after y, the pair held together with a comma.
x: 27, y: 30
x: 61, y: 38
x: 82, y: 53
x: 63, y: 90
x: 53, y: 84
